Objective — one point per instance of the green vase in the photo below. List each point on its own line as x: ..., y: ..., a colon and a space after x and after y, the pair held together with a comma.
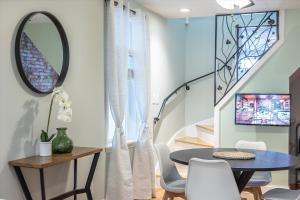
x: 62, y: 143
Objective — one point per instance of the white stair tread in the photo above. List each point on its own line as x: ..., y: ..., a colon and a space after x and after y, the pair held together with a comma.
x: 207, y: 128
x: 194, y: 141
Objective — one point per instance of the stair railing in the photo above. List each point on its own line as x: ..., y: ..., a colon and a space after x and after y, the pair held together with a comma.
x: 236, y: 43
x: 186, y: 86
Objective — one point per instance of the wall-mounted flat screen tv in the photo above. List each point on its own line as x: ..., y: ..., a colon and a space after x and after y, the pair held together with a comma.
x: 263, y: 109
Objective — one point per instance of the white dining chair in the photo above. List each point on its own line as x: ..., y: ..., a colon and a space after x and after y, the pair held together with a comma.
x: 282, y: 194
x: 211, y: 180
x: 170, y: 180
x: 258, y: 179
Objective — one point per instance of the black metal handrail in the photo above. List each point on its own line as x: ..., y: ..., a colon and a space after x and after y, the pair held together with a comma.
x: 187, y: 87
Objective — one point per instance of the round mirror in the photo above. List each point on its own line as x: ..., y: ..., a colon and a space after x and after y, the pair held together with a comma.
x: 42, y: 52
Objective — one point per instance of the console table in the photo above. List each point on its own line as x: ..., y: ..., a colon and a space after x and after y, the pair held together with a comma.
x: 40, y: 163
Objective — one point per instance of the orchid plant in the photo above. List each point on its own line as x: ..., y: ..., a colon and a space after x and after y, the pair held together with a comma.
x: 60, y: 97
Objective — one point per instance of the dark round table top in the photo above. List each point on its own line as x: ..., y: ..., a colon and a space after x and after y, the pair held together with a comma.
x: 264, y: 161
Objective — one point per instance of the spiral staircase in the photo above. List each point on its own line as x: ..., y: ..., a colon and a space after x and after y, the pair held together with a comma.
x: 244, y: 42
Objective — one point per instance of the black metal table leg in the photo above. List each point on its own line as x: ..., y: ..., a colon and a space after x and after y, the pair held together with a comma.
x: 243, y: 179
x: 90, y: 177
x: 75, y: 178
x: 42, y: 181
x: 236, y: 175
x: 23, y: 183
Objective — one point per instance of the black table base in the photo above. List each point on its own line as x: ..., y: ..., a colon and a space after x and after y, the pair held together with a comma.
x: 74, y: 192
x: 242, y: 178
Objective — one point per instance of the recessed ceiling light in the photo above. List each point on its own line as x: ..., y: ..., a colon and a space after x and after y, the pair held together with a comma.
x: 185, y: 10
x: 235, y: 4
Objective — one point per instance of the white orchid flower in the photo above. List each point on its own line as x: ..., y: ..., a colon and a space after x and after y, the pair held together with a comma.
x: 65, y: 103
x: 56, y: 90
x: 64, y: 114
x: 61, y: 97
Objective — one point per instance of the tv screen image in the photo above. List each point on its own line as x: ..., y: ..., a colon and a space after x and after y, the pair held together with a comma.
x: 262, y: 109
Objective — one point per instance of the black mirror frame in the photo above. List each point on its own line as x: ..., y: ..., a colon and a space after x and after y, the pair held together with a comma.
x: 65, y: 46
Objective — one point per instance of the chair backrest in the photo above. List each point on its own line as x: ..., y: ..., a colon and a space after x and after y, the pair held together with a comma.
x: 211, y: 180
x: 168, y: 170
x: 259, y: 145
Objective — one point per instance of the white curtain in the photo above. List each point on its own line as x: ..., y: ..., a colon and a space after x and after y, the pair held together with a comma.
x: 143, y: 164
x: 119, y: 180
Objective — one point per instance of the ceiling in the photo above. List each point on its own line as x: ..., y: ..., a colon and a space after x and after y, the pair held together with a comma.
x: 170, y: 8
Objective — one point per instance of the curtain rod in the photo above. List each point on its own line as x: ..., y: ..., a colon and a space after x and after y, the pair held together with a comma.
x: 117, y: 3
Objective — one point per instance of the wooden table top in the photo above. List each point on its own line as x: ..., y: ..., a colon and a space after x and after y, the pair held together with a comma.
x: 39, y: 162
x: 264, y: 161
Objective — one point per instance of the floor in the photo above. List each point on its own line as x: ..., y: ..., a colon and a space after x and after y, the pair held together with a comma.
x: 160, y: 193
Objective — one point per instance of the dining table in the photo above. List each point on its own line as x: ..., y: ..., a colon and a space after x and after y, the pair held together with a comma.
x: 242, y: 169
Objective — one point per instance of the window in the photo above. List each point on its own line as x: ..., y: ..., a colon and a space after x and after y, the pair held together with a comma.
x: 131, y: 118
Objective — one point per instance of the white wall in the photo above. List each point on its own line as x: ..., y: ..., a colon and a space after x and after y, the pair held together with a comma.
x: 167, y: 72
x: 189, y: 54
x: 181, y: 53
x: 199, y: 60
x: 24, y: 114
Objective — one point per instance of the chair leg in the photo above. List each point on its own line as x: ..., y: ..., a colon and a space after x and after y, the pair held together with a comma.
x: 259, y: 192
x: 166, y: 195
x: 182, y: 196
x: 256, y: 192
x: 255, y: 195
x: 171, y: 195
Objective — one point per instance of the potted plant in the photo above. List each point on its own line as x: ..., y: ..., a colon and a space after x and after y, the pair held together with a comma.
x: 47, y: 146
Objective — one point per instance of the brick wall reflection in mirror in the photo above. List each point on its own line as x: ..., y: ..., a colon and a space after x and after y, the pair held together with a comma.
x: 37, y: 69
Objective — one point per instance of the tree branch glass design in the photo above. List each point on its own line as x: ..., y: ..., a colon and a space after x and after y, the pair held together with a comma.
x: 241, y: 41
